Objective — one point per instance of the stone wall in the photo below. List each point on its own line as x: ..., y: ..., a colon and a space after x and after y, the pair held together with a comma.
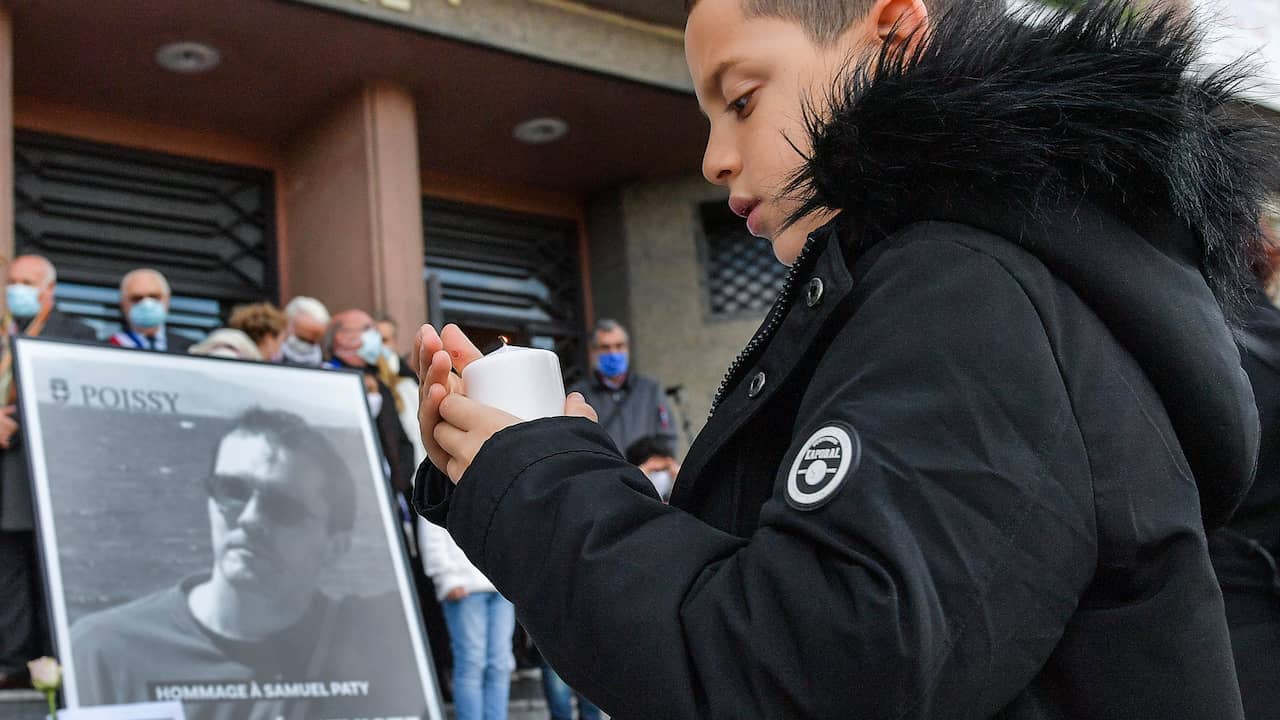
x: 646, y: 272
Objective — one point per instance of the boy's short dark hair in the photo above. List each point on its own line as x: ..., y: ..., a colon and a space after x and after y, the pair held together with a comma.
x: 824, y: 20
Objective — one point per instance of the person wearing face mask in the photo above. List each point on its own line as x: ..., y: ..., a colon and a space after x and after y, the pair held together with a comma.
x: 631, y: 406
x: 144, y: 305
x: 352, y: 342
x: 656, y: 460
x: 29, y: 295
x: 307, y: 320
x: 396, y: 374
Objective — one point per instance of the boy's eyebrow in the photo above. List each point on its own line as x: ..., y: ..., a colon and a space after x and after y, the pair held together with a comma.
x: 713, y: 84
x: 721, y: 69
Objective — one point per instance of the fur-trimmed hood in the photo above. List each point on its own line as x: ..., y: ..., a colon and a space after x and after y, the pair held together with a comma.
x: 1054, y: 132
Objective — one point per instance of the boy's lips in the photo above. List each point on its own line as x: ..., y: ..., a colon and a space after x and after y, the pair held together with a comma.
x: 753, y: 222
x: 747, y: 208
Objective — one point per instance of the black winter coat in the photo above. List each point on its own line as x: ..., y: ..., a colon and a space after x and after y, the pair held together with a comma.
x: 965, y: 468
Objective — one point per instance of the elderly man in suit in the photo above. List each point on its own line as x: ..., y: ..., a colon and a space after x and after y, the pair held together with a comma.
x: 144, y: 305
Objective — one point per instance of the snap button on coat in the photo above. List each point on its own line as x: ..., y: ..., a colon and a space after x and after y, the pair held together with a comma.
x: 814, y: 294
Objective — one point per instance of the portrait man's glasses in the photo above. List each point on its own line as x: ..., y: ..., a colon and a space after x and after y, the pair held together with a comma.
x: 232, y: 494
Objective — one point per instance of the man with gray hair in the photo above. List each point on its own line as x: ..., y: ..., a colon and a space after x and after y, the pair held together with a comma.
x: 31, y: 282
x: 29, y: 295
x: 144, y: 308
x: 631, y: 406
x: 308, y: 320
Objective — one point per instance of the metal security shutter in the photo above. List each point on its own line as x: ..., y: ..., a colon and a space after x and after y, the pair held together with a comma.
x: 741, y: 275
x: 99, y: 211
x: 503, y: 273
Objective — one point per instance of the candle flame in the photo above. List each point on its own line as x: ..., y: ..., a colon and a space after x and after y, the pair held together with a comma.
x: 505, y: 341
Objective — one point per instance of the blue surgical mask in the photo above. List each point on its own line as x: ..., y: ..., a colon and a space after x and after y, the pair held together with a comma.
x: 370, y: 346
x: 147, y: 313
x: 23, y: 300
x: 613, y: 364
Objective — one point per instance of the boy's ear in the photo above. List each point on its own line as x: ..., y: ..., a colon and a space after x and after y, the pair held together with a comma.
x: 897, y: 20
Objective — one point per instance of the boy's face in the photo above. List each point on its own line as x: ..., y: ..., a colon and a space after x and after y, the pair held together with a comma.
x: 752, y: 76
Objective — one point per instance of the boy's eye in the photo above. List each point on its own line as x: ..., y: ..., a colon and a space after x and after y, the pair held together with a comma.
x: 740, y: 105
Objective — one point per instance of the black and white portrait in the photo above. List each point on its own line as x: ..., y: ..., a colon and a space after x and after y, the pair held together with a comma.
x: 220, y: 534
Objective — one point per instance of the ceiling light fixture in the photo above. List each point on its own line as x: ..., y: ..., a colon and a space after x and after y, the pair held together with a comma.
x: 188, y: 57
x: 540, y: 131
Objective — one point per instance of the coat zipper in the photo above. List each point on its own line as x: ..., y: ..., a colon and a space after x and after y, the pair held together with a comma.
x: 780, y: 308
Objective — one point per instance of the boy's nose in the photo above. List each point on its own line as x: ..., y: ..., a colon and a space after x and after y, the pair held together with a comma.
x: 720, y: 163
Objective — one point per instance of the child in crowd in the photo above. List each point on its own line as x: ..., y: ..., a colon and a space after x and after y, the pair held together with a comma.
x: 966, y: 467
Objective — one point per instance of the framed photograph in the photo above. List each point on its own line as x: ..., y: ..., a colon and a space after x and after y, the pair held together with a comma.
x: 220, y: 534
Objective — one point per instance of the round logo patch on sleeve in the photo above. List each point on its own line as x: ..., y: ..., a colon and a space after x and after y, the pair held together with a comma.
x: 827, y: 459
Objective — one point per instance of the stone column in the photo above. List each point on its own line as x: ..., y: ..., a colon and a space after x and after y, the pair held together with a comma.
x: 353, y: 202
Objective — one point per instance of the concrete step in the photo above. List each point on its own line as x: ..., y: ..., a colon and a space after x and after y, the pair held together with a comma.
x: 22, y: 705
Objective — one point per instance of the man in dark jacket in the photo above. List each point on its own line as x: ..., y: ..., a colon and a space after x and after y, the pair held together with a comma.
x: 966, y: 467
x: 631, y: 406
x: 353, y: 343
x: 29, y: 293
x: 144, y: 310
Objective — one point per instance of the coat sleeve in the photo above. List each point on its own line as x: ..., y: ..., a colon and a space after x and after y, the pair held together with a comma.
x: 937, y: 579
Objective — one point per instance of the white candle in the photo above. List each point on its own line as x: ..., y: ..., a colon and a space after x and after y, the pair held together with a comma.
x: 525, y: 382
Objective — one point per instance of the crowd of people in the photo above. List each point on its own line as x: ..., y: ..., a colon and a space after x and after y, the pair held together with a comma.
x: 469, y: 624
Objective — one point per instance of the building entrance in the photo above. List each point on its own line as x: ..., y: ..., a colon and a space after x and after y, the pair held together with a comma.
x: 500, y: 274
x: 98, y: 211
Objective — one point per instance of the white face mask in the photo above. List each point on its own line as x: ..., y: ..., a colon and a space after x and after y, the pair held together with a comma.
x: 375, y: 403
x: 301, y: 352
x: 663, y: 481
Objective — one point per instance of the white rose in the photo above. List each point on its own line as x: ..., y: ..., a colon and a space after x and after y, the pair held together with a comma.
x: 46, y: 674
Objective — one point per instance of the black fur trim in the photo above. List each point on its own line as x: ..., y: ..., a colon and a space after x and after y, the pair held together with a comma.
x: 991, y: 108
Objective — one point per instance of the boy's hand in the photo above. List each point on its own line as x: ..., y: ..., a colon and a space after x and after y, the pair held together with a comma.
x: 465, y: 425
x: 576, y: 406
x: 463, y: 428
x: 435, y: 356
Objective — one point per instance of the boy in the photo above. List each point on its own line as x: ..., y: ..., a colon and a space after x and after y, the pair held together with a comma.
x: 966, y: 467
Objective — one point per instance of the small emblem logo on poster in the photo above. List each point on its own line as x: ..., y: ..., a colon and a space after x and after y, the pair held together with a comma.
x: 61, y: 390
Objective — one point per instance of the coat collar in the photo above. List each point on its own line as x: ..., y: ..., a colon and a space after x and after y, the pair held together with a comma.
x: 1104, y: 102
x: 816, y: 288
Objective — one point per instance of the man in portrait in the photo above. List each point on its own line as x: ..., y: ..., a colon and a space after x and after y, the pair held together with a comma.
x: 255, y: 637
